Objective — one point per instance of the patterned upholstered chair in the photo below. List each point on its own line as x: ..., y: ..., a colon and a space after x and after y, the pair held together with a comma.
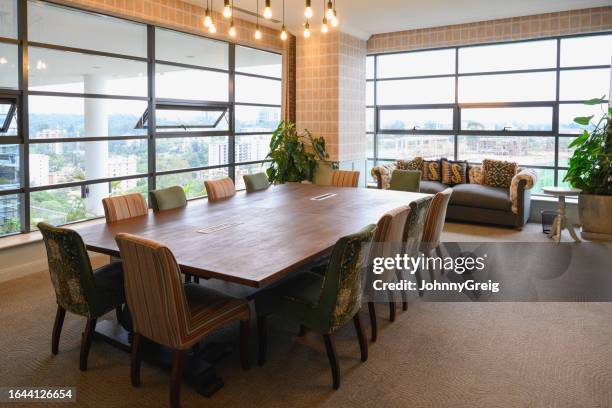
x: 122, y: 207
x: 322, y: 303
x: 169, y: 312
x: 345, y: 178
x: 405, y: 180
x: 78, y: 288
x: 256, y: 182
x: 413, y: 235
x: 434, y: 224
x: 219, y: 189
x: 167, y: 198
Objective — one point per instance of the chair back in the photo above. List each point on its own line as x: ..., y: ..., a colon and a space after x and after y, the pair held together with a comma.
x: 168, y: 198
x: 345, y: 178
x: 435, y: 220
x: 415, y: 224
x: 405, y: 180
x: 154, y: 290
x: 343, y: 285
x: 219, y: 189
x: 256, y: 182
x: 123, y: 207
x: 69, y: 267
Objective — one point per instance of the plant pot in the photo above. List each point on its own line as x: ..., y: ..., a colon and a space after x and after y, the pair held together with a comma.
x: 323, y: 174
x: 595, y: 217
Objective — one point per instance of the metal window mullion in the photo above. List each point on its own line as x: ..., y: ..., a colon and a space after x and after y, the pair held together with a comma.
x: 376, y: 112
x: 23, y: 126
x: 456, y: 110
x: 556, y: 113
x: 231, y: 152
x: 151, y: 130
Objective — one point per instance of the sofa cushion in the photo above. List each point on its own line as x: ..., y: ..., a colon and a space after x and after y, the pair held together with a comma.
x: 431, y: 187
x: 414, y: 164
x: 454, y: 172
x: 481, y: 196
x: 498, y: 173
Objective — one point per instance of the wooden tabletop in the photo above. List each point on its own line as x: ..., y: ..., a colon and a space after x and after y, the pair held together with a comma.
x: 267, y: 234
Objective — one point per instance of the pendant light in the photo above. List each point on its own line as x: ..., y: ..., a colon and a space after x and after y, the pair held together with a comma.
x: 329, y: 13
x: 227, y: 10
x: 283, y: 34
x: 268, y: 10
x: 308, y: 11
x: 207, y: 19
x: 211, y: 27
x: 307, y: 30
x: 334, y: 20
x: 257, y: 30
x: 324, y: 28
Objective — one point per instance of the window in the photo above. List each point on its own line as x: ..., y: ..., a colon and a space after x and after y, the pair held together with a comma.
x: 511, y: 101
x: 92, y: 128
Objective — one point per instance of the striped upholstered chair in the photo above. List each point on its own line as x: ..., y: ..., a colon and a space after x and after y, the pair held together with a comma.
x: 219, y: 189
x: 169, y: 312
x: 345, y: 178
x: 78, y: 288
x: 122, y: 207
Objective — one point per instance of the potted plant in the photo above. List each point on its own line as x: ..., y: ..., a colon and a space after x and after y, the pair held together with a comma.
x: 295, y: 156
x: 590, y: 170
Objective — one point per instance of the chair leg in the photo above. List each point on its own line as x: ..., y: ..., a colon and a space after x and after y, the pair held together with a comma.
x: 302, y: 330
x: 399, y: 276
x: 363, y: 344
x: 86, y: 339
x: 196, y: 279
x: 244, y: 344
x: 135, y: 361
x: 176, y: 378
x: 57, y: 329
x: 262, y: 339
x: 373, y: 323
x: 391, y: 307
x: 330, y: 347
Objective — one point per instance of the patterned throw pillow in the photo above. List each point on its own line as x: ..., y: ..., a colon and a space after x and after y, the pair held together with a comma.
x: 498, y: 173
x: 454, y: 172
x: 431, y: 170
x: 475, y: 175
x: 414, y: 164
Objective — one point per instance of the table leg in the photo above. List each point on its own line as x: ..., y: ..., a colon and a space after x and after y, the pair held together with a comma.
x: 553, y: 227
x: 572, y: 232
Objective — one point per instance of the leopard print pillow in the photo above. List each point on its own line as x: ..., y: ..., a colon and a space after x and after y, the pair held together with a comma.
x: 414, y: 164
x: 498, y: 173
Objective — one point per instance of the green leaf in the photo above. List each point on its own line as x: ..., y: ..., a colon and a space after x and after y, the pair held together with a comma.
x: 583, y: 120
x: 595, y: 101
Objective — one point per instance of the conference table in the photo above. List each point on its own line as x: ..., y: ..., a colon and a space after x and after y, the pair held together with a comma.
x: 245, y: 243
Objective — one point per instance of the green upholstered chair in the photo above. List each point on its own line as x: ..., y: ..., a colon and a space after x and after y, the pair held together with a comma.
x: 256, y: 182
x: 78, y: 288
x: 405, y: 180
x: 322, y: 302
x: 168, y: 198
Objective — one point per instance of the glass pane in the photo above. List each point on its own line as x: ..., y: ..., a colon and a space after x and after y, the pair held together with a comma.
x: 370, y: 67
x: 416, y: 91
x: 185, y: 152
x: 420, y: 63
x: 370, y: 145
x: 59, y: 71
x: 258, y: 90
x: 412, y: 119
x: 409, y: 146
x: 9, y: 167
x: 369, y: 179
x: 248, y: 169
x: 10, y: 208
x: 546, y: 178
x: 508, y: 57
x: 370, y: 119
x: 193, y: 182
x: 58, y: 117
x: 583, y: 51
x: 584, y: 84
x: 55, y: 163
x: 568, y: 112
x: 252, y: 148
x: 256, y: 119
x: 173, y: 46
x: 561, y: 176
x: 170, y: 119
x: 370, y: 94
x: 512, y: 119
x: 195, y: 84
x: 8, y: 107
x: 72, y: 28
x: 534, y: 151
x: 71, y: 204
x: 258, y: 62
x: 540, y: 86
x: 565, y: 152
x: 8, y: 18
x: 9, y: 66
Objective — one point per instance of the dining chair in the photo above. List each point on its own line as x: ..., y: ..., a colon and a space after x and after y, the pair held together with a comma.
x: 219, y: 189
x: 168, y: 198
x: 78, y: 288
x: 322, y: 303
x: 434, y: 225
x: 345, y: 178
x: 256, y: 182
x: 118, y: 208
x: 170, y: 313
x: 405, y: 180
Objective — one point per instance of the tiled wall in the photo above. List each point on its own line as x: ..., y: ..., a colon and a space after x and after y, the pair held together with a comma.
x: 288, y: 109
x: 541, y: 25
x: 182, y: 16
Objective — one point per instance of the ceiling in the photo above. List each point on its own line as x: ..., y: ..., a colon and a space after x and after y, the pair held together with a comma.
x: 362, y: 18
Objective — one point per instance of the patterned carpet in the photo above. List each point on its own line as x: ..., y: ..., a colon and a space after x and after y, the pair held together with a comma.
x: 434, y: 355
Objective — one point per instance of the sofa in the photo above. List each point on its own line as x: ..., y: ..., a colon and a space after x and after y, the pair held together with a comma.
x: 474, y: 200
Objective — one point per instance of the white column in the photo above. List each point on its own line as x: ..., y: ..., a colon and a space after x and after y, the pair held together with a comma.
x: 96, y: 153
